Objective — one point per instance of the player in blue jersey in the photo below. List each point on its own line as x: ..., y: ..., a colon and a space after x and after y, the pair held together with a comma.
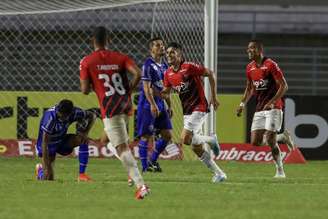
x: 152, y: 111
x: 53, y: 138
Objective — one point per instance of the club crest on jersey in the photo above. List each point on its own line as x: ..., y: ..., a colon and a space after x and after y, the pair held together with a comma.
x: 261, y: 84
x: 182, y: 87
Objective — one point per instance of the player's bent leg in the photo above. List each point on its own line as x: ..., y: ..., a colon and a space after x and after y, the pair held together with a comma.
x: 81, y: 141
x: 286, y: 138
x: 205, y: 157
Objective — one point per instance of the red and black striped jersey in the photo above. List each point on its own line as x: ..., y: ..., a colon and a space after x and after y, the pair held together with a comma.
x: 107, y: 72
x: 264, y: 79
x: 187, y: 81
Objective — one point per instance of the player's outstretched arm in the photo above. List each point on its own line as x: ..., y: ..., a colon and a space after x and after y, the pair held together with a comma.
x: 208, y: 73
x: 247, y: 95
x: 46, y: 159
x: 136, y: 73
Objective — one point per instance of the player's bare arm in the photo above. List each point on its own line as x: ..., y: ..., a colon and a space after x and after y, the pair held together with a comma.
x: 150, y: 97
x: 208, y: 73
x: 166, y: 92
x: 136, y: 73
x: 46, y: 159
x: 247, y: 95
x: 85, y: 86
x: 283, y: 87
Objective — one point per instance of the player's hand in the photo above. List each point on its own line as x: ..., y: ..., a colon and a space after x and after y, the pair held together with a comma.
x: 239, y: 110
x: 268, y: 106
x: 214, y: 102
x: 154, y: 110
x: 170, y: 112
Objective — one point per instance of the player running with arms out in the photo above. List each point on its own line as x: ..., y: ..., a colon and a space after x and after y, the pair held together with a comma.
x: 266, y: 82
x: 152, y: 112
x: 186, y: 79
x: 105, y: 72
x: 53, y: 138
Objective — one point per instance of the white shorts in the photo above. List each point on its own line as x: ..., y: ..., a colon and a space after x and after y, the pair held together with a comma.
x: 270, y: 120
x: 115, y: 129
x: 194, y: 121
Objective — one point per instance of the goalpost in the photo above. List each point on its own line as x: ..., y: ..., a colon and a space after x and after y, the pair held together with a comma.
x: 42, y: 44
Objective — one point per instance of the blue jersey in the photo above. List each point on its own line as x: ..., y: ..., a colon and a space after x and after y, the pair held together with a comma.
x: 55, y: 128
x: 154, y: 73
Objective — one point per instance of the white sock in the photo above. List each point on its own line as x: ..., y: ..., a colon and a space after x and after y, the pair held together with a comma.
x: 201, y: 139
x: 131, y: 165
x: 210, y: 163
x: 279, y: 163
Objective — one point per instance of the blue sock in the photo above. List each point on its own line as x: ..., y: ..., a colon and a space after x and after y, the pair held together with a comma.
x: 83, y: 157
x: 143, y: 153
x: 159, y: 148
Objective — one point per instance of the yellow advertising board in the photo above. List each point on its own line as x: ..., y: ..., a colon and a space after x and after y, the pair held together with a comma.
x: 20, y: 114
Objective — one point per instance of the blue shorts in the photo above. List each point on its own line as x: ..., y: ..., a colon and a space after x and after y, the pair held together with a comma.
x: 147, y: 124
x: 62, y: 148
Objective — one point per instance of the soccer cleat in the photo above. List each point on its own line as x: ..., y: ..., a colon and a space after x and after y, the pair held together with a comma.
x: 288, y: 140
x: 217, y: 178
x: 84, y: 178
x: 142, y: 192
x: 130, y: 181
x: 280, y: 174
x: 155, y: 166
x: 38, y: 171
x: 215, y: 145
x: 148, y: 169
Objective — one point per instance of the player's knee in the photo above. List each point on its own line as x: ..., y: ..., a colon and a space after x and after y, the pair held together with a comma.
x: 186, y: 139
x: 197, y: 149
x: 121, y: 148
x: 256, y: 142
x: 271, y: 139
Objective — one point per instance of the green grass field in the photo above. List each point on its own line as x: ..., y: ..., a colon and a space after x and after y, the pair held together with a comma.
x: 184, y: 190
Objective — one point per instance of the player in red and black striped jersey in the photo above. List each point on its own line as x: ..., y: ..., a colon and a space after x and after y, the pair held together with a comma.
x: 186, y: 79
x: 105, y: 72
x: 266, y: 82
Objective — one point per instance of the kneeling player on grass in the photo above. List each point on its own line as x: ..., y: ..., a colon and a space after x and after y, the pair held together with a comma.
x: 53, y: 138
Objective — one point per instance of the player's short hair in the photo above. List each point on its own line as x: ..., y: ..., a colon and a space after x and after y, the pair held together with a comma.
x: 174, y: 45
x: 258, y: 43
x: 65, y: 107
x: 100, y: 35
x: 152, y: 40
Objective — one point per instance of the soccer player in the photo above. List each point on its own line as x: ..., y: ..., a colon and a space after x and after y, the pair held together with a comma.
x: 186, y: 79
x: 152, y: 112
x: 105, y: 72
x: 266, y: 82
x: 53, y: 138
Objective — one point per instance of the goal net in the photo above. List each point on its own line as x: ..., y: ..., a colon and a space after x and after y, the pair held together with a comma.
x: 43, y: 43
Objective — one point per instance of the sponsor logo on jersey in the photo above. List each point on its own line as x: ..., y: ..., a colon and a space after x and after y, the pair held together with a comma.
x: 182, y: 87
x: 261, y: 84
